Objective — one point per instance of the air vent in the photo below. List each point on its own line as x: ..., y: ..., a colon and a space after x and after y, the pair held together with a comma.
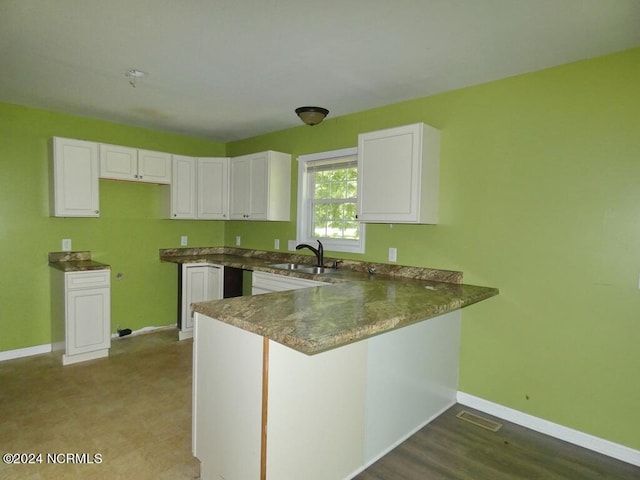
x: 479, y: 421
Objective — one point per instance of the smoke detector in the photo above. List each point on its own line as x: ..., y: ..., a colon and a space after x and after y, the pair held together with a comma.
x: 134, y: 75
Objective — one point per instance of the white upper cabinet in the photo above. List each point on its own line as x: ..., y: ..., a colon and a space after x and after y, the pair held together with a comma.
x: 125, y: 163
x: 119, y: 163
x: 238, y: 186
x: 212, y: 199
x: 74, y: 179
x: 182, y: 200
x: 398, y: 175
x: 154, y: 167
x: 261, y: 186
x: 200, y: 188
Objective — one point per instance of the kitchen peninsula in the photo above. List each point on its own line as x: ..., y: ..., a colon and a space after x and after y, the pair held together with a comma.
x: 319, y: 382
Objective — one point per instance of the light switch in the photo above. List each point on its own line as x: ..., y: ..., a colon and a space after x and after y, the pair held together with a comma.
x: 393, y: 254
x: 183, y: 240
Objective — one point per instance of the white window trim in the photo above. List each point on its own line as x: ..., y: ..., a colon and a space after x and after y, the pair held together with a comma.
x: 304, y: 213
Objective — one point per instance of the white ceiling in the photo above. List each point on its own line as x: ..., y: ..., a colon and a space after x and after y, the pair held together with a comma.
x: 232, y: 69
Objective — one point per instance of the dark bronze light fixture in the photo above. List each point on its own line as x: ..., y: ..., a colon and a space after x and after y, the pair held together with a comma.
x: 312, y: 115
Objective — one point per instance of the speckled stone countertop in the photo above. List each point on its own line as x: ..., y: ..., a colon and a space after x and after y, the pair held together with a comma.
x: 355, y: 305
x: 75, y: 262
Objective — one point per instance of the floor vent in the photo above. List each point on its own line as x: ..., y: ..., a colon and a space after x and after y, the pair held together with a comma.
x: 479, y: 421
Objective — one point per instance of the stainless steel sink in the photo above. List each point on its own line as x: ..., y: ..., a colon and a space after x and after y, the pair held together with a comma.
x: 303, y: 268
x: 288, y: 266
x: 318, y: 270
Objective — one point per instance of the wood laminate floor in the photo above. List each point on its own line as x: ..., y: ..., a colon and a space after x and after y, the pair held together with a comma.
x: 451, y: 449
x: 134, y: 409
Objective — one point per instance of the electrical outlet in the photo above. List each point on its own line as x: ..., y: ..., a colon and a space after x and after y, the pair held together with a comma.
x: 393, y: 254
x: 184, y: 240
x: 276, y: 244
x: 291, y: 245
x: 238, y: 241
x: 66, y: 244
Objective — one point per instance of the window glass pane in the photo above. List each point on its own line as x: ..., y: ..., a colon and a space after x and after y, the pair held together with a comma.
x: 333, y: 207
x: 352, y: 189
x: 335, y: 184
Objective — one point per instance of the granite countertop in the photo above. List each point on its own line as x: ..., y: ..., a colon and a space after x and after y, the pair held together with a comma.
x: 75, y: 262
x: 355, y: 305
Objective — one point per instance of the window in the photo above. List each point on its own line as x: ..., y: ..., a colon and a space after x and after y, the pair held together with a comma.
x: 327, y: 200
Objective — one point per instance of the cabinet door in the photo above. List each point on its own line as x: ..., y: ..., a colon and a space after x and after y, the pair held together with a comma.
x: 261, y: 186
x: 154, y: 167
x: 239, y: 185
x: 118, y: 163
x: 258, y: 188
x: 213, y: 188
x: 199, y: 283
x: 74, y: 179
x: 88, y: 320
x: 388, y: 174
x: 398, y: 175
x: 183, y: 187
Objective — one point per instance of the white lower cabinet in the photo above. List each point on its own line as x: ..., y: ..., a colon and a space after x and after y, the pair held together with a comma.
x: 268, y: 282
x: 200, y: 282
x: 81, y: 314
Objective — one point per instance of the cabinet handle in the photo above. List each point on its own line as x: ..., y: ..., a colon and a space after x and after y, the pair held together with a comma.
x: 97, y: 211
x: 140, y: 177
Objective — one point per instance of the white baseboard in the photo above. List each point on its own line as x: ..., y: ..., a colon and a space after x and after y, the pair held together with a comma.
x: 48, y: 348
x: 25, y: 352
x: 570, y: 435
x: 144, y: 330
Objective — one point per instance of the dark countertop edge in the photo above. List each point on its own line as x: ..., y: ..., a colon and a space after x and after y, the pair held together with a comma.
x: 249, y: 259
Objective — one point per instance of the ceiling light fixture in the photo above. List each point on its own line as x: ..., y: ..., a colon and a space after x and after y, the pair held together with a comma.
x: 133, y: 75
x: 312, y: 115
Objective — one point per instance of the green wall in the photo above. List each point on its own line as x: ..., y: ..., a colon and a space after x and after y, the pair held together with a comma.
x: 127, y: 235
x: 540, y: 197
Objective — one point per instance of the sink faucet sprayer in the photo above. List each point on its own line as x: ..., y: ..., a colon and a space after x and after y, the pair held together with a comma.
x: 318, y: 252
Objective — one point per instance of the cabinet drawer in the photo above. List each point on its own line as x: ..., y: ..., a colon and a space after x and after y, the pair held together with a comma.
x: 88, y: 279
x: 268, y: 282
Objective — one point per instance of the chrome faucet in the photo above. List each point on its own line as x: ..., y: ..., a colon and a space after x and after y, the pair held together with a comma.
x: 318, y: 252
